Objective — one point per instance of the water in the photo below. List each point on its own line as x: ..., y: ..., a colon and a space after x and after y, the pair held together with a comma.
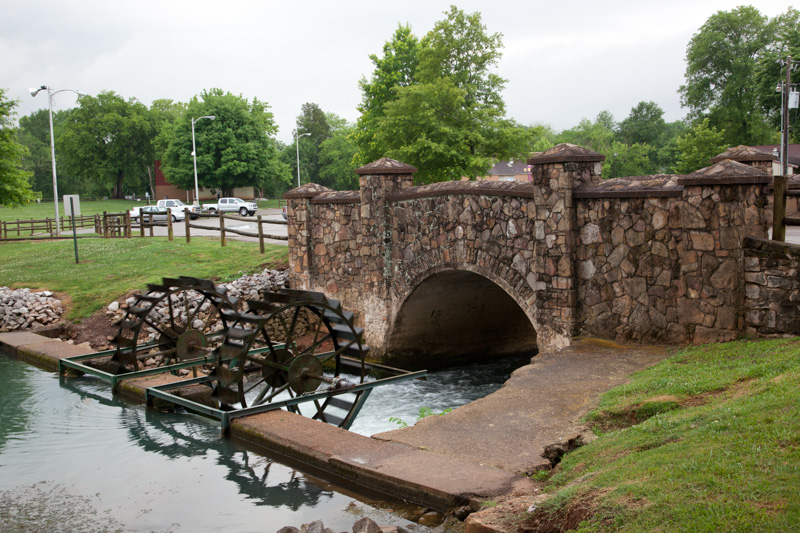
x: 75, y: 458
x: 444, y: 389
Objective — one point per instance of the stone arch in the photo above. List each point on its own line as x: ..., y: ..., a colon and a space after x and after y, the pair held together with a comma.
x: 444, y: 311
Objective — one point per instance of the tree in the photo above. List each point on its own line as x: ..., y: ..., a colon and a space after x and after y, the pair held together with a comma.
x: 721, y: 64
x: 106, y: 142
x: 450, y: 123
x: 771, y: 70
x: 313, y: 128
x: 698, y: 146
x: 628, y: 160
x: 597, y: 135
x: 336, y: 155
x: 397, y: 68
x: 15, y: 187
x: 165, y: 114
x: 34, y: 134
x: 644, y: 125
x: 235, y: 150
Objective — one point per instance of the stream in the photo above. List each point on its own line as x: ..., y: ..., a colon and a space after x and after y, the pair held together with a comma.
x: 73, y: 457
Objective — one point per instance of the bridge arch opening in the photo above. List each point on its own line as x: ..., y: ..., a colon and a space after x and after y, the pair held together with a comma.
x: 458, y: 316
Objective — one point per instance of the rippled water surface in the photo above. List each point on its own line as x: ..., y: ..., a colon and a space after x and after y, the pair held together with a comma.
x: 443, y: 389
x: 75, y: 458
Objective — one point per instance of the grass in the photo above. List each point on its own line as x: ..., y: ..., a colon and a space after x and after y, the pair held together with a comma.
x: 271, y: 203
x: 110, y: 268
x: 46, y: 210
x: 708, y: 440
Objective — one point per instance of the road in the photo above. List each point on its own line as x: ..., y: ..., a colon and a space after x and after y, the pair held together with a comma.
x: 179, y: 228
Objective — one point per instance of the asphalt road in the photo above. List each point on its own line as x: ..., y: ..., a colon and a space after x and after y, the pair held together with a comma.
x: 179, y: 228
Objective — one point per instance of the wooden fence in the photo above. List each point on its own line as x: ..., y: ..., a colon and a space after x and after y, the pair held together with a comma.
x: 18, y: 228
x: 122, y: 225
x: 782, y: 190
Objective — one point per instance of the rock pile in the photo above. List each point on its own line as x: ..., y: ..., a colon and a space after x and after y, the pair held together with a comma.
x: 363, y: 525
x: 243, y: 288
x: 24, y: 309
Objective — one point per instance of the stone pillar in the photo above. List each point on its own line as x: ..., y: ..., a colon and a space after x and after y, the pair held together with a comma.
x: 300, y: 228
x: 378, y: 181
x: 555, y: 174
x: 722, y: 205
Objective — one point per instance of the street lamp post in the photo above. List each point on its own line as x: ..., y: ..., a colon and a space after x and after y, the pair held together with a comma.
x: 297, y: 136
x: 194, y: 156
x: 50, y: 94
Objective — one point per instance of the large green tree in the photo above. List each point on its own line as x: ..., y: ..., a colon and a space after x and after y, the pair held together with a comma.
x: 234, y: 150
x: 15, y: 187
x: 451, y: 122
x: 165, y: 114
x: 106, y: 142
x: 313, y: 129
x: 396, y: 68
x: 336, y: 156
x: 771, y: 71
x: 698, y: 146
x: 644, y: 125
x: 34, y: 134
x: 721, y: 62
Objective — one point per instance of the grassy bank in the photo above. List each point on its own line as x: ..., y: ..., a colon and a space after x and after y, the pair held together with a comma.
x: 110, y: 268
x: 708, y: 440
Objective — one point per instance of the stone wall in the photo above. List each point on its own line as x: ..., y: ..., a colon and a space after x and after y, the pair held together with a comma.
x: 663, y: 263
x: 772, y: 289
x: 645, y: 259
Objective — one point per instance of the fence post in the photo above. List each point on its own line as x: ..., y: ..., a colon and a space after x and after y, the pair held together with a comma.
x: 127, y: 225
x: 17, y: 227
x: 105, y: 225
x: 780, y: 184
x: 150, y: 222
x: 169, y: 224
x: 221, y: 228
x: 141, y: 224
x: 186, y: 221
x: 260, y: 235
x: 97, y: 224
x: 5, y: 230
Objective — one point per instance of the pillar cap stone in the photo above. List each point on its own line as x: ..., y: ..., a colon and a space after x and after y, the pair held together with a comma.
x: 566, y: 153
x: 726, y: 172
x: 309, y: 190
x: 744, y: 153
x: 383, y: 166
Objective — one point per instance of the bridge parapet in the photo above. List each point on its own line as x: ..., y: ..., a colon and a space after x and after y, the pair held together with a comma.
x: 644, y: 258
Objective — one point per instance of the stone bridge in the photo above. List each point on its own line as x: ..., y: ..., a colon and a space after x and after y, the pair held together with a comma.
x: 493, y: 268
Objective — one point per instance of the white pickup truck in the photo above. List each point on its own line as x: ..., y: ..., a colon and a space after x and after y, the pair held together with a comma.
x: 232, y: 205
x: 177, y: 209
x: 177, y: 205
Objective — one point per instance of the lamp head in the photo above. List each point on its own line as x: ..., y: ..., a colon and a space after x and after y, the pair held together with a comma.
x: 35, y: 90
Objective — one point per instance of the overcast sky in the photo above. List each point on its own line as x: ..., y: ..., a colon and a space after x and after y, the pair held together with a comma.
x: 563, y: 60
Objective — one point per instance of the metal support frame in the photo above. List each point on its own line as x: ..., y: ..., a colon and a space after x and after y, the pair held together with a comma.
x: 164, y: 392
x: 225, y: 417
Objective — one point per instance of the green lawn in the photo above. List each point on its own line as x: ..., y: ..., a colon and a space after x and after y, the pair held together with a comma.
x: 46, y: 210
x: 708, y: 440
x: 110, y: 268
x: 271, y: 203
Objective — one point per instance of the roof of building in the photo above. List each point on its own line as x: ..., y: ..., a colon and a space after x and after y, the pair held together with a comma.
x: 794, y: 152
x: 509, y: 168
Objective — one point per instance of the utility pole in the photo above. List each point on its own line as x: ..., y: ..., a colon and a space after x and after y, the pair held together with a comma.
x: 785, y: 117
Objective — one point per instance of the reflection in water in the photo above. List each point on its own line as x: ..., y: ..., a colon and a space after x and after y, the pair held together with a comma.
x: 15, y: 388
x: 140, y: 469
x: 76, y: 450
